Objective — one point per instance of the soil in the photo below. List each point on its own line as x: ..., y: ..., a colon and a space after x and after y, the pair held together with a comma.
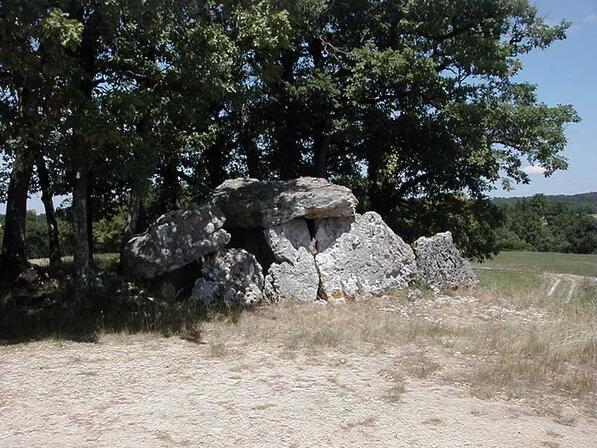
x: 149, y: 391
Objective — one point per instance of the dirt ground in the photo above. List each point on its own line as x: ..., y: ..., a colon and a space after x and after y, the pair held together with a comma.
x: 149, y: 391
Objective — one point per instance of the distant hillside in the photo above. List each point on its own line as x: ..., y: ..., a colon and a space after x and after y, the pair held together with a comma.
x: 587, y: 201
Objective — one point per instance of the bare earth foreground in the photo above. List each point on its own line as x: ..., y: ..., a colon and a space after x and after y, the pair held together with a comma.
x: 379, y: 374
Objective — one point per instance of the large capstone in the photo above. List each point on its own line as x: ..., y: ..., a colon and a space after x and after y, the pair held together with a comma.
x: 361, y: 258
x: 293, y: 276
x: 231, y: 277
x: 440, y: 265
x: 254, y: 203
x: 175, y: 240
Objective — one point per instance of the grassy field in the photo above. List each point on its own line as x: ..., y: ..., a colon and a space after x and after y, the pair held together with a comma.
x: 544, y: 262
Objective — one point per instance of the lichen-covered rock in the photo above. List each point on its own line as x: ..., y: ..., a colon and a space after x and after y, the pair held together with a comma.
x: 175, y: 240
x: 440, y: 265
x: 368, y: 259
x: 254, y: 203
x: 293, y: 276
x: 232, y: 277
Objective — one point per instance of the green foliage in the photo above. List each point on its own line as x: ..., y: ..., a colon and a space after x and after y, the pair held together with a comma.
x: 37, y: 236
x: 584, y: 201
x: 107, y: 234
x: 473, y: 223
x: 417, y: 103
x: 58, y: 26
x: 545, y: 226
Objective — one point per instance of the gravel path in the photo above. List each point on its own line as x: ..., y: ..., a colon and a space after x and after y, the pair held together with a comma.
x: 146, y: 391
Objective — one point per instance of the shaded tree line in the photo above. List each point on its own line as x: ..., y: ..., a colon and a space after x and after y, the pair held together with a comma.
x: 133, y: 108
x: 546, y: 226
x: 106, y: 234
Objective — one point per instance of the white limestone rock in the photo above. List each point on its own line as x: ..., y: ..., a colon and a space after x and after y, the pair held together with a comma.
x: 175, y: 240
x: 231, y: 277
x: 254, y: 203
x: 440, y: 265
x: 367, y: 260
x: 294, y: 276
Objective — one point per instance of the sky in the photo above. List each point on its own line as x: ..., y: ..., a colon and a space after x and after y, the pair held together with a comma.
x: 566, y: 73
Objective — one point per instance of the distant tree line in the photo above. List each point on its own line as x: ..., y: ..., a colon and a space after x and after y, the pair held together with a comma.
x: 133, y: 108
x: 584, y: 201
x: 542, y: 225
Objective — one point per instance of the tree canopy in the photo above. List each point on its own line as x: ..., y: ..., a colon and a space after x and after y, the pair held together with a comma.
x: 137, y: 107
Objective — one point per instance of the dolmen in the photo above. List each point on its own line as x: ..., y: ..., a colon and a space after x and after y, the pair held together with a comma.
x: 299, y: 240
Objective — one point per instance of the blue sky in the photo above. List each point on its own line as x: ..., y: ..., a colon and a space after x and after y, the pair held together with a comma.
x: 566, y: 73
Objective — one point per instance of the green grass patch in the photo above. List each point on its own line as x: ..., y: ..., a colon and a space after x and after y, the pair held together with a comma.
x: 101, y: 262
x: 579, y: 264
x: 509, y: 283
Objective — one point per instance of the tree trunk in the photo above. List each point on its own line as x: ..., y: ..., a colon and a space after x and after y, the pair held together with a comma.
x: 216, y: 158
x: 248, y: 145
x: 320, y: 117
x: 289, y: 157
x: 14, y: 257
x: 321, y: 150
x: 46, y: 198
x: 90, y: 214
x: 170, y: 191
x: 135, y: 218
x: 82, y: 151
x: 81, y: 254
x: 381, y: 198
x: 132, y: 222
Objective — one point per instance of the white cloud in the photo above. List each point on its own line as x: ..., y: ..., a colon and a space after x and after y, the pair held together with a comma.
x: 533, y: 169
x: 591, y: 18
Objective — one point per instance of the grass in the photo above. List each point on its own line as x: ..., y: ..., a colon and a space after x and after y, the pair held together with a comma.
x: 510, y: 284
x: 102, y: 262
x: 511, y: 340
x: 535, y: 347
x: 578, y: 264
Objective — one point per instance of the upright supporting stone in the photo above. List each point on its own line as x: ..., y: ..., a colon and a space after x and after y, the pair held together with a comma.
x: 294, y: 276
x: 368, y: 259
x: 231, y: 277
x: 440, y: 265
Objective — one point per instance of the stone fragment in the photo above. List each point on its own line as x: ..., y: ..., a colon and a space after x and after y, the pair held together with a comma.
x: 327, y: 231
x: 369, y: 259
x: 175, y: 240
x: 231, y: 277
x: 440, y: 265
x: 254, y: 203
x: 293, y: 276
x: 285, y: 239
x: 296, y: 281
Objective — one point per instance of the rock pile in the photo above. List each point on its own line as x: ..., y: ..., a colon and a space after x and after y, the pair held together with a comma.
x: 298, y: 240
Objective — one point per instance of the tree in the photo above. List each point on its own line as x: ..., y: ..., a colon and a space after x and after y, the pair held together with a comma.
x: 419, y: 98
x: 547, y: 226
x: 415, y: 104
x: 33, y: 39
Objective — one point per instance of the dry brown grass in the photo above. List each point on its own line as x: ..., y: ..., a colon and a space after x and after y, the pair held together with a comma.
x: 315, y: 328
x: 559, y: 355
x: 536, y: 347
